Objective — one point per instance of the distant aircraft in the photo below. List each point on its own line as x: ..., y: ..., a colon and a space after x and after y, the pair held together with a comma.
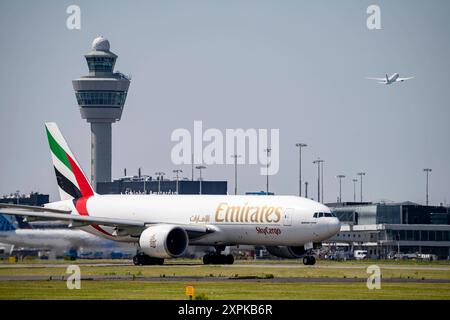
x: 390, y: 80
x: 18, y: 233
x: 165, y: 225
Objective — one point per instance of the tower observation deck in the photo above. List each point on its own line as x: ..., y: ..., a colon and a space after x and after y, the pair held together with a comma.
x: 101, y: 97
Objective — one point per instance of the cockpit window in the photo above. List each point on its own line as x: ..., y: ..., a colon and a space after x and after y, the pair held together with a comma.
x: 324, y: 214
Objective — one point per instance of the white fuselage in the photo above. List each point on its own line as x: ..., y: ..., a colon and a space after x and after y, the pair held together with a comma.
x: 252, y: 220
x: 393, y: 78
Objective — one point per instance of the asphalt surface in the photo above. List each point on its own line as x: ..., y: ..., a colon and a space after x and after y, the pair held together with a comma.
x: 249, y: 265
x: 218, y: 279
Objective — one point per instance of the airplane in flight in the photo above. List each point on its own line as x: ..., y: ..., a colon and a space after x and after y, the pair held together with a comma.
x: 390, y: 80
x: 165, y: 225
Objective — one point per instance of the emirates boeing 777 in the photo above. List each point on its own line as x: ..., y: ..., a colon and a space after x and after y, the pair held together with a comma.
x: 165, y: 225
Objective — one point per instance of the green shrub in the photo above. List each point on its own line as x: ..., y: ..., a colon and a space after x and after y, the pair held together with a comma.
x: 201, y: 296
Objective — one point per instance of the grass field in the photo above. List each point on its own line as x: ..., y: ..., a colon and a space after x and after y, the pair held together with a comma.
x: 221, y: 289
x: 320, y: 271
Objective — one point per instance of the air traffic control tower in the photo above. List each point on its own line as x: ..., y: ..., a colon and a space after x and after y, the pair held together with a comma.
x: 101, y: 96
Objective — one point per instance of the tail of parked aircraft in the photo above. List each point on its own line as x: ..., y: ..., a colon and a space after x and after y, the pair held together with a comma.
x: 6, y: 223
x: 72, y: 182
x: 11, y: 223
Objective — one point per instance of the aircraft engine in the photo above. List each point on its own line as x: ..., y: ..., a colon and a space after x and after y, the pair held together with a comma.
x: 164, y: 241
x: 287, y: 252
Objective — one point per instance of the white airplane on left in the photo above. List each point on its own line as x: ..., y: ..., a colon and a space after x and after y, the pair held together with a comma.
x: 61, y: 240
x: 17, y: 233
x: 164, y: 226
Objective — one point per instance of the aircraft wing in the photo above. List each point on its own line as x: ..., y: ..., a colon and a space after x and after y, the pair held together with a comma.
x: 194, y: 231
x: 53, y: 214
x: 377, y: 79
x: 404, y: 79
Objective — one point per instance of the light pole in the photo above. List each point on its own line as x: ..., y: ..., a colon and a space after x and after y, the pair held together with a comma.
x: 177, y: 172
x: 354, y: 189
x: 160, y: 176
x: 306, y: 189
x: 318, y: 162
x: 201, y: 179
x: 361, y: 174
x: 427, y: 171
x: 321, y: 181
x: 17, y: 196
x: 340, y: 177
x: 300, y: 146
x: 267, y: 181
x: 145, y: 190
x: 235, y: 156
x: 192, y: 166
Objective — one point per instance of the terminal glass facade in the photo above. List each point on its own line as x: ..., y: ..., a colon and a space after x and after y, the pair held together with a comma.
x: 417, y: 235
x: 388, y: 214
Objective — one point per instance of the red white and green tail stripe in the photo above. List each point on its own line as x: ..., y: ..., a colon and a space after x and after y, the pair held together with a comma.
x: 71, y: 180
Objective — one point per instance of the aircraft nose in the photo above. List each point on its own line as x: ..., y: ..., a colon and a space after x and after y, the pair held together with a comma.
x: 334, y: 226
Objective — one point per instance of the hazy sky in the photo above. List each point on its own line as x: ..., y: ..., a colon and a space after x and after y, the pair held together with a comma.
x: 299, y: 66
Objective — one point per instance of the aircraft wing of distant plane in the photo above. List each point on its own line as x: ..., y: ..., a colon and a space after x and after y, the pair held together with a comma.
x: 380, y: 80
x: 194, y: 231
x: 404, y: 79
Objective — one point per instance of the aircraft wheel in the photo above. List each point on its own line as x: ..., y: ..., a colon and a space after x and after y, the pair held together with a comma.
x: 229, y: 259
x: 136, y: 260
x: 207, y: 259
x: 306, y: 260
x: 312, y: 261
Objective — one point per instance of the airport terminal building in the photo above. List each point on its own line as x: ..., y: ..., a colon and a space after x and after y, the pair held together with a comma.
x: 149, y: 185
x: 31, y: 199
x: 394, y: 228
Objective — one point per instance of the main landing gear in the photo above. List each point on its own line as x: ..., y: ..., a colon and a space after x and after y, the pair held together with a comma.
x: 217, y: 257
x: 141, y: 259
x: 309, y: 260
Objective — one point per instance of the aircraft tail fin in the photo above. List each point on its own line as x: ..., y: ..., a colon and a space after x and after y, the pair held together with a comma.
x: 72, y: 182
x: 6, y: 224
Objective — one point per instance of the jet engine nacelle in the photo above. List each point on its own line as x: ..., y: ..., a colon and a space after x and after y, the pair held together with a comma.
x: 164, y: 241
x: 287, y: 252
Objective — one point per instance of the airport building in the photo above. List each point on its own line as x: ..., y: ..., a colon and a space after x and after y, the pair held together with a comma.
x: 149, y: 185
x: 387, y: 230
x: 31, y: 199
